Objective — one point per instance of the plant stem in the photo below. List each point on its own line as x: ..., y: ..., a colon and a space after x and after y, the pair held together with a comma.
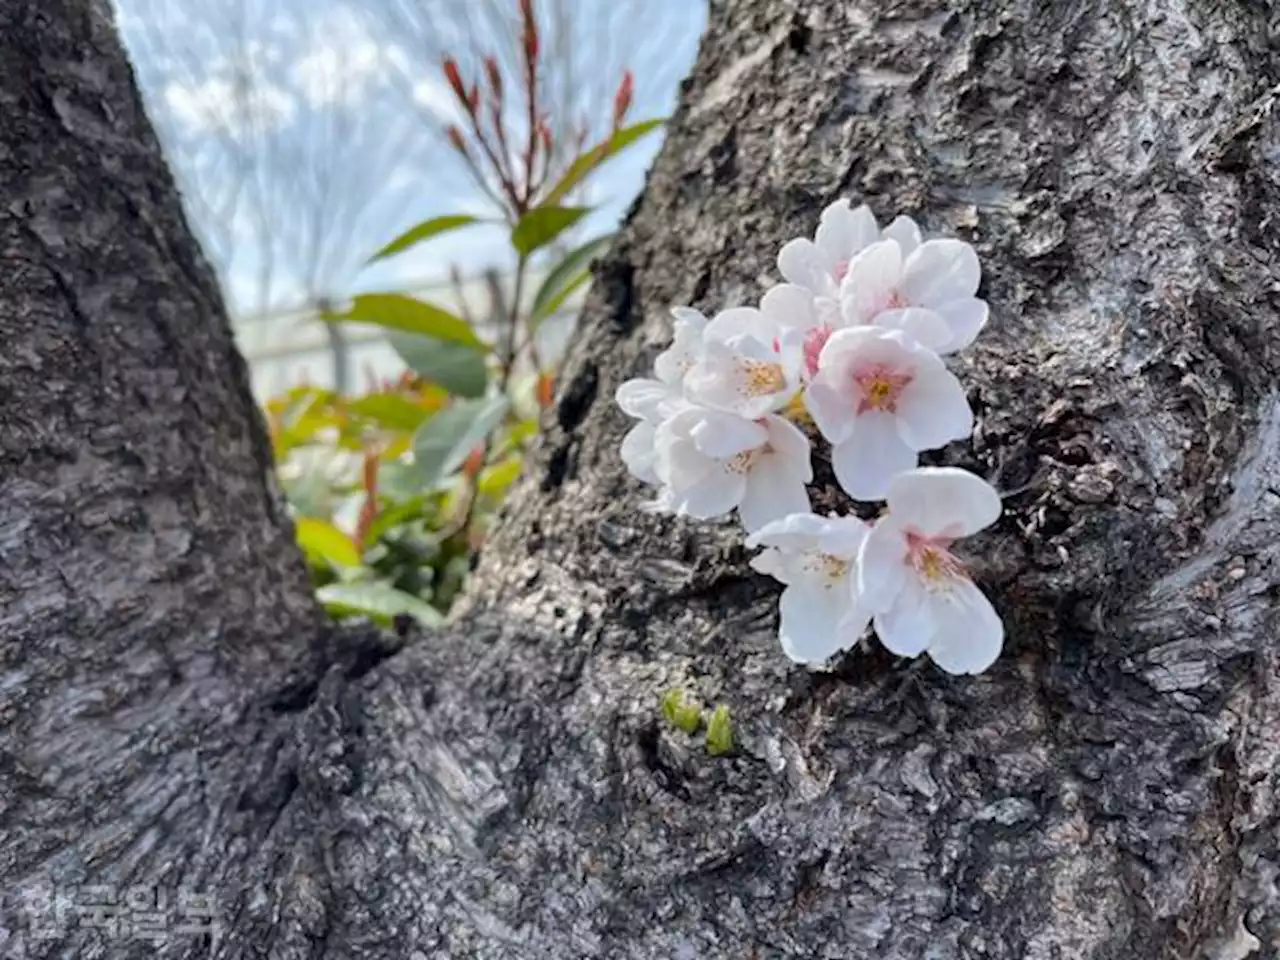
x: 513, y: 323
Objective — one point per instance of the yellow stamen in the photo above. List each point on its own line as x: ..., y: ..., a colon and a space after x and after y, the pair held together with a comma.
x: 763, y: 377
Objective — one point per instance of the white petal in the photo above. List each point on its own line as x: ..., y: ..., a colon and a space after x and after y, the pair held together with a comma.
x: 795, y: 532
x: 872, y: 282
x: 882, y: 565
x: 791, y: 306
x: 809, y: 623
x: 638, y: 453
x: 740, y: 322
x: 905, y: 232
x: 943, y: 501
x: 690, y: 317
x: 865, y: 345
x: 843, y: 233
x: 964, y: 319
x: 722, y: 435
x: 921, y: 324
x: 932, y: 409
x: 832, y: 411
x: 871, y: 456
x: 772, y: 491
x: 791, y: 445
x: 908, y: 626
x: 852, y: 625
x: 713, y: 496
x: 969, y: 633
x: 940, y: 271
x: 843, y: 537
x: 643, y: 398
x: 772, y: 563
x: 801, y: 262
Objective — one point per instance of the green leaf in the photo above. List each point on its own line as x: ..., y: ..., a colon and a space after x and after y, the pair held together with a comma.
x: 390, y: 411
x: 602, y: 151
x: 494, y: 481
x: 541, y: 225
x: 396, y: 311
x: 453, y: 366
x: 323, y: 543
x: 569, y: 274
x: 720, y: 732
x: 390, y: 517
x: 442, y: 444
x: 681, y: 711
x: 423, y: 231
x: 378, y: 601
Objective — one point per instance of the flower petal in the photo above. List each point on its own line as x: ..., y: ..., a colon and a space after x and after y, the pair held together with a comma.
x: 741, y: 322
x: 843, y: 537
x: 969, y: 634
x: 831, y: 410
x: 933, y: 410
x: 722, y: 435
x: 790, y: 444
x: 844, y: 232
x: 871, y: 456
x: 801, y: 262
x: 905, y: 232
x: 790, y: 306
x: 965, y: 319
x: 940, y: 271
x: 772, y: 491
x: 924, y: 326
x: 871, y: 284
x: 809, y: 622
x: 643, y: 398
x: 713, y: 496
x: 882, y: 565
x: 908, y: 626
x: 795, y: 532
x: 772, y: 563
x: 638, y: 453
x: 943, y: 501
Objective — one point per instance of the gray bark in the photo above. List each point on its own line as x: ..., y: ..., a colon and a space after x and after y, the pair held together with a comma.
x: 176, y: 713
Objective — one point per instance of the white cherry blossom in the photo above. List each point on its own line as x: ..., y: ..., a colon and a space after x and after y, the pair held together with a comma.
x: 913, y: 585
x: 652, y: 400
x: 815, y: 557
x: 843, y: 232
x: 929, y: 293
x: 880, y: 398
x: 711, y: 462
x: 672, y: 364
x: 750, y: 364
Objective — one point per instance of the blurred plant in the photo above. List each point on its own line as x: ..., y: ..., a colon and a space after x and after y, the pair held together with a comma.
x: 395, y: 488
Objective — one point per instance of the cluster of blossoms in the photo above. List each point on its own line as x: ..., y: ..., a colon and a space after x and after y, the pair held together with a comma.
x: 850, y: 348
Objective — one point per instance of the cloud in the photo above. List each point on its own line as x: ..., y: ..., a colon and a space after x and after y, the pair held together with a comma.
x: 221, y: 104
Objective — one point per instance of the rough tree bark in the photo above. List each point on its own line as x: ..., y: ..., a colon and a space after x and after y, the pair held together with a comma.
x: 175, y: 712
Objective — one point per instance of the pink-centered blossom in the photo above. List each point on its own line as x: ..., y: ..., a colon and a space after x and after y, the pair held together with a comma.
x: 912, y: 583
x: 816, y: 557
x: 711, y: 462
x: 929, y: 294
x: 880, y: 398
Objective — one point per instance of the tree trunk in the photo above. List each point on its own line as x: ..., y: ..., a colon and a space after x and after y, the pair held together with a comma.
x: 177, y: 716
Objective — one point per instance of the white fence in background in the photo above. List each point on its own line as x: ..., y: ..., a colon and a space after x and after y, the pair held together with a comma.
x: 290, y: 347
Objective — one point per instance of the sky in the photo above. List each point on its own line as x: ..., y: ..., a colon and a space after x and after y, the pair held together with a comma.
x: 304, y: 134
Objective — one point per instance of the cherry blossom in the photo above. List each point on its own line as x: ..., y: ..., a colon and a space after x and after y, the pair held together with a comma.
x: 815, y: 557
x: 849, y: 348
x: 911, y: 582
x: 750, y: 364
x: 880, y: 398
x: 712, y: 462
x: 929, y: 293
x: 652, y: 400
x: 820, y: 264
